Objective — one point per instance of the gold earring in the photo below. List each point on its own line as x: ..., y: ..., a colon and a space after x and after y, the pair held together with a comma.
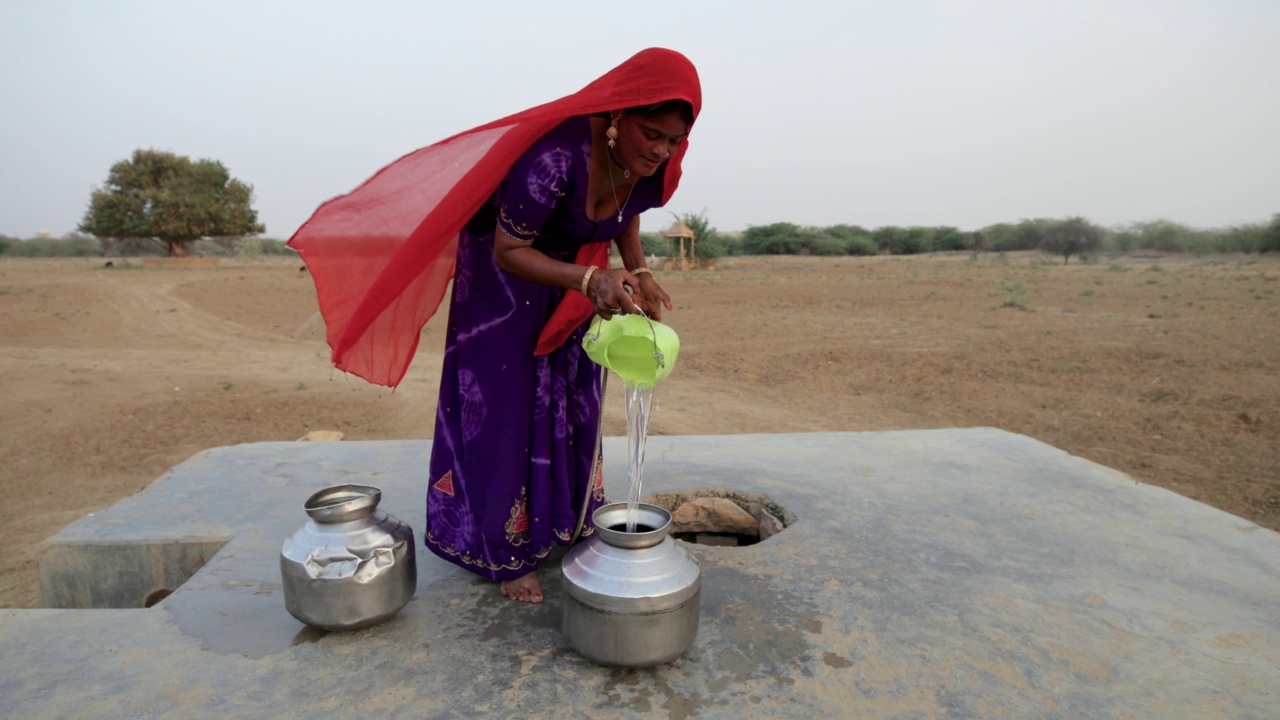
x: 612, y: 132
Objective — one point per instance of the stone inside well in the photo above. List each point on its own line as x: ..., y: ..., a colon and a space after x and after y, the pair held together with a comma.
x: 722, y: 517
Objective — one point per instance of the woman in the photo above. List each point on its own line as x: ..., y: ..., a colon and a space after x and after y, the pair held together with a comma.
x: 522, y: 210
x: 516, y: 450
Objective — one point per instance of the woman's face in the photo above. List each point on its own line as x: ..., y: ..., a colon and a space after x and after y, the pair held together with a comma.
x: 645, y: 142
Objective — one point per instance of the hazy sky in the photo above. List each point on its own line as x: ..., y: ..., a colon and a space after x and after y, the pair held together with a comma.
x: 912, y: 112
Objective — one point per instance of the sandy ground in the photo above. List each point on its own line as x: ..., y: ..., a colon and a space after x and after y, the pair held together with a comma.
x: 1167, y: 368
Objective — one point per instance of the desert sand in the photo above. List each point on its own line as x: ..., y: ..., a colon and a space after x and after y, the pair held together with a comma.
x: 1166, y: 368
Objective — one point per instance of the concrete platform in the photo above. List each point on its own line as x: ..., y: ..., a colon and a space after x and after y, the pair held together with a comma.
x: 930, y: 574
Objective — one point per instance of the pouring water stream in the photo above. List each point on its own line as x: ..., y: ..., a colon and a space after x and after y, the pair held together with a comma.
x: 639, y: 405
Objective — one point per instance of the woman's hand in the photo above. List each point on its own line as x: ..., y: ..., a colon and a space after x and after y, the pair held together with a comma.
x: 607, y: 291
x: 609, y: 296
x: 651, y: 297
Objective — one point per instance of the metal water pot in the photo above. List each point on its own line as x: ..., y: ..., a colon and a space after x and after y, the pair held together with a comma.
x: 631, y: 599
x: 351, y: 565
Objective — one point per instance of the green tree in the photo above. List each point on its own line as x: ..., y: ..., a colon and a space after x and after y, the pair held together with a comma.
x: 856, y: 239
x: 170, y: 200
x: 1073, y: 236
x: 946, y: 238
x: 1029, y: 234
x: 917, y: 240
x: 903, y: 241
x: 847, y: 232
x: 1123, y: 239
x: 1000, y: 237
x: 1272, y: 239
x: 862, y: 245
x: 818, y: 241
x: 975, y: 242
x: 1246, y: 239
x: 1025, y: 235
x: 1163, y: 235
x: 707, y: 243
x: 653, y: 244
x: 70, y: 245
x: 781, y: 238
x: 889, y: 237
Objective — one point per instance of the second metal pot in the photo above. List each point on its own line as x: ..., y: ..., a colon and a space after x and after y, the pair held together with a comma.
x: 351, y: 565
x: 631, y: 599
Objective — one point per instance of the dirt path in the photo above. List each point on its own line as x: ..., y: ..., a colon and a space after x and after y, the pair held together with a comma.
x: 1163, y: 367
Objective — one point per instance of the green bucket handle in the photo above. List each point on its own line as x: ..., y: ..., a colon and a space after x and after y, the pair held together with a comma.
x: 660, y: 370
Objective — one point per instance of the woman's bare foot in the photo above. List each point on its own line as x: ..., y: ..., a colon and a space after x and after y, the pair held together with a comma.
x: 525, y: 588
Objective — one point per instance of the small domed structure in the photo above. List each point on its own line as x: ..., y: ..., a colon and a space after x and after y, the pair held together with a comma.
x: 681, y: 232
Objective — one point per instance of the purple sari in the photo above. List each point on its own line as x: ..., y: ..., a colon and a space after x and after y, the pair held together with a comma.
x: 515, y: 463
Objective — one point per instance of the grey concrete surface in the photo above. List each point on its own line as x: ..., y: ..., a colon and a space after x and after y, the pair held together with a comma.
x: 930, y: 574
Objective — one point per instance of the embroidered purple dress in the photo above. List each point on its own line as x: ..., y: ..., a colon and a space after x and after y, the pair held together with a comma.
x: 516, y: 434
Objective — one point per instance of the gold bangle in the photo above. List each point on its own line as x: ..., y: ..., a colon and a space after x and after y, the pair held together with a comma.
x: 586, y: 277
x: 641, y: 271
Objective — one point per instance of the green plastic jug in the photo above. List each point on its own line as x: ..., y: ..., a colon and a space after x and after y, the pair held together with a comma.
x: 639, y: 350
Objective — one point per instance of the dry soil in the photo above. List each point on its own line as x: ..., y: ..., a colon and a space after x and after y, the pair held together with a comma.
x: 1165, y: 368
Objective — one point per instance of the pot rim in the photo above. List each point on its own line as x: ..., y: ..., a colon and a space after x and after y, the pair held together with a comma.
x: 343, y: 503
x: 615, y: 513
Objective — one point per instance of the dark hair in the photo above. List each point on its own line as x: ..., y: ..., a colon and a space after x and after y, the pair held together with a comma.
x: 680, y: 106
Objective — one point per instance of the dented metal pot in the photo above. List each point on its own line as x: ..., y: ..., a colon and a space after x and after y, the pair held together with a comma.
x: 631, y: 598
x: 351, y: 565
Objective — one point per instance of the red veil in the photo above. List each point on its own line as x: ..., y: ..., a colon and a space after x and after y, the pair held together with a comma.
x: 382, y: 255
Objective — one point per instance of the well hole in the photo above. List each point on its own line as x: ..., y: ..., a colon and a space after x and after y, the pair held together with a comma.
x: 723, y: 518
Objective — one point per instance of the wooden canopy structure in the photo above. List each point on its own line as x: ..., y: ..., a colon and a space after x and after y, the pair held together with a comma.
x: 676, y: 236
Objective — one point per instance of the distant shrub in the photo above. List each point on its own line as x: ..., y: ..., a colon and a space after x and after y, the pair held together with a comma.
x: 714, y: 247
x: 917, y: 240
x: 1203, y: 243
x: 1171, y: 237
x: 903, y: 241
x: 1245, y: 239
x: 861, y: 246
x: 777, y: 239
x: 1073, y: 236
x: 818, y: 242
x: 888, y: 237
x: 1165, y: 236
x: 948, y: 239
x: 211, y: 248
x: 654, y: 244
x: 250, y: 248
x: 274, y: 246
x: 848, y: 234
x: 999, y: 236
x: 1025, y: 235
x: 784, y: 238
x: 732, y: 243
x: 975, y: 242
x: 71, y: 246
x: 1017, y: 295
x: 1121, y: 241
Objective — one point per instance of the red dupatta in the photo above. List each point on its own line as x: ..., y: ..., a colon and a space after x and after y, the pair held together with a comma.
x: 382, y: 255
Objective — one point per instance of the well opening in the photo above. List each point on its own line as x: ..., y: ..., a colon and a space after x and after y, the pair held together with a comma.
x: 722, y: 517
